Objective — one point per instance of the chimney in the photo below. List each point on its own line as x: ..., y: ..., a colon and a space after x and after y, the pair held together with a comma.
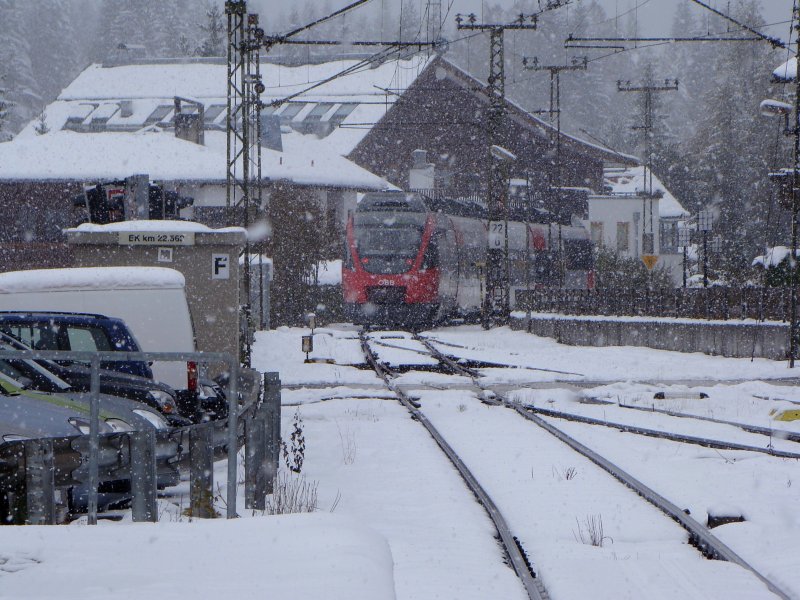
x: 189, y: 125
x: 126, y: 108
x: 422, y: 173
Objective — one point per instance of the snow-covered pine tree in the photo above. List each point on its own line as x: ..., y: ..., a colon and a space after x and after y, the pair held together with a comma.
x: 15, y: 62
x: 55, y: 53
x: 5, y: 108
x: 734, y: 148
x: 214, y: 32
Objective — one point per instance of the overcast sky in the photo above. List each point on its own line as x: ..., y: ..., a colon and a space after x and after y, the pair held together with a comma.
x: 654, y: 16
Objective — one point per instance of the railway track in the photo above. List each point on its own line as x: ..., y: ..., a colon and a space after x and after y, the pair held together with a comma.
x: 699, y: 535
x: 515, y: 555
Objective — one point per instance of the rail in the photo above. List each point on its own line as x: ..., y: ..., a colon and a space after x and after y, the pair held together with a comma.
x: 516, y: 558
x: 34, y: 471
x: 700, y: 536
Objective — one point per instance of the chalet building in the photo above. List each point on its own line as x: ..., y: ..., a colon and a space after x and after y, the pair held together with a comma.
x: 444, y: 111
x: 632, y: 221
x: 118, y: 120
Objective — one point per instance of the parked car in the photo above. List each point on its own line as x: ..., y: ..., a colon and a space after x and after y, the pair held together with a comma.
x: 26, y: 412
x: 155, y: 394
x: 95, y: 332
x: 150, y: 300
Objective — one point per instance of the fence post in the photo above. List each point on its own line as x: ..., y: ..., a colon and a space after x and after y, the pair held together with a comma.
x: 255, y: 463
x: 39, y: 482
x: 143, y: 475
x: 272, y: 417
x: 201, y: 471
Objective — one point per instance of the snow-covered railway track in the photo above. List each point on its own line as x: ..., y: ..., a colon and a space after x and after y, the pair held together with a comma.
x: 516, y: 557
x: 699, y: 535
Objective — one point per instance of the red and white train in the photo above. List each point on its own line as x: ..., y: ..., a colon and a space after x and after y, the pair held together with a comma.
x: 413, y: 259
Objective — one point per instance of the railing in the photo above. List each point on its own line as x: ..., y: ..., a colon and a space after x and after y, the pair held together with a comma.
x: 715, y: 303
x: 34, y: 473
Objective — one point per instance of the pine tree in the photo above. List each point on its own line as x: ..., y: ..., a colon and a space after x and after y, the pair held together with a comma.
x: 733, y: 149
x: 55, y: 55
x: 5, y: 109
x: 214, y: 31
x: 15, y: 62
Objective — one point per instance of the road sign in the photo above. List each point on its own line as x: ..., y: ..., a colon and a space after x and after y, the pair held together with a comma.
x: 649, y: 260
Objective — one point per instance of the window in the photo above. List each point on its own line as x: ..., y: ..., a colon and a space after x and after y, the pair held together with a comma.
x: 597, y: 233
x: 87, y: 339
x: 342, y: 112
x: 623, y: 230
x: 159, y: 115
x: 318, y: 111
x: 291, y: 111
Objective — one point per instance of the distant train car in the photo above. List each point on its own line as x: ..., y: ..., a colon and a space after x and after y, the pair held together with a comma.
x: 412, y: 260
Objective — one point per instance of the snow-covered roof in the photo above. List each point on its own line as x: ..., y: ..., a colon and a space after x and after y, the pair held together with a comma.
x: 787, y: 71
x: 112, y: 121
x: 147, y: 225
x: 121, y: 278
x: 340, y: 111
x: 631, y: 180
x: 773, y: 257
x: 67, y: 155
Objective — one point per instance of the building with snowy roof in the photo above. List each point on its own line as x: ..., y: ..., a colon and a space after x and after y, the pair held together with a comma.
x: 350, y: 134
x: 638, y: 215
x: 118, y: 120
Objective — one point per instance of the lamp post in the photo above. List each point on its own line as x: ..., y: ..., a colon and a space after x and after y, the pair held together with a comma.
x: 705, y: 221
x: 684, y: 236
x: 775, y: 108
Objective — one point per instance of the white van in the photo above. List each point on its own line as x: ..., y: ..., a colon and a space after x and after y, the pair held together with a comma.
x: 151, y: 301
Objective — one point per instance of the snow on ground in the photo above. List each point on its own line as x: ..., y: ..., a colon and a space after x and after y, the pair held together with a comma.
x: 618, y: 363
x: 761, y: 488
x: 280, y: 350
x: 404, y: 524
x: 613, y: 413
x: 547, y: 492
x: 294, y: 556
x: 546, y: 506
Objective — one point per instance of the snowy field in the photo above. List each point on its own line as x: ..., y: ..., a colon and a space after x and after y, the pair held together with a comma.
x: 394, y: 520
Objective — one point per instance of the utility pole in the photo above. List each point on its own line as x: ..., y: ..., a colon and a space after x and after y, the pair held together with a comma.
x: 648, y: 90
x: 576, y: 64
x: 496, y: 301
x: 243, y: 136
x: 245, y: 42
x: 433, y: 22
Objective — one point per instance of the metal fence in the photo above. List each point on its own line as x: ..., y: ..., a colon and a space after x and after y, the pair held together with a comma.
x: 36, y: 473
x: 717, y: 303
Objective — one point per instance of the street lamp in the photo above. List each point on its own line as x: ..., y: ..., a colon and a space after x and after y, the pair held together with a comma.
x: 705, y: 220
x: 684, y: 238
x: 776, y: 108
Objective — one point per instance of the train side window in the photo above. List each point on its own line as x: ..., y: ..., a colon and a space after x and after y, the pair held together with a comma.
x: 348, y: 258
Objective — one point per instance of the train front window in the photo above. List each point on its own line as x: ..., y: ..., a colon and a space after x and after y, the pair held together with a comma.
x: 387, y: 250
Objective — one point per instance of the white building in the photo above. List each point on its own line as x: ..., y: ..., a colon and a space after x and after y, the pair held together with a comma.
x: 633, y: 222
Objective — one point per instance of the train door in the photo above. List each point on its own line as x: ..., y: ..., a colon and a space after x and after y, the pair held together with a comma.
x: 448, y: 268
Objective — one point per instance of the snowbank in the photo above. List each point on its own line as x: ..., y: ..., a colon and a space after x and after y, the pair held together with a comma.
x: 308, y: 556
x: 120, y: 278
